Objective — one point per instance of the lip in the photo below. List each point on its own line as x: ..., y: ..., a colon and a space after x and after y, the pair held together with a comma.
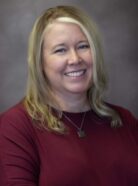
x: 75, y: 73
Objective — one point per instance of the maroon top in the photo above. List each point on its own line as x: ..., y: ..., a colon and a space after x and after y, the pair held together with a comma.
x: 34, y: 157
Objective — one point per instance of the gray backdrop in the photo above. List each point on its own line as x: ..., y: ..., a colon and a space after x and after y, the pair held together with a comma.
x: 117, y: 21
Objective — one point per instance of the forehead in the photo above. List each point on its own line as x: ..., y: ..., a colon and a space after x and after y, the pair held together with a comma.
x: 61, y: 30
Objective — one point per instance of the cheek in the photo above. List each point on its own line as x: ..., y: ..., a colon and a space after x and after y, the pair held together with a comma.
x: 90, y: 63
x: 48, y: 63
x: 89, y: 58
x: 90, y: 67
x: 53, y: 67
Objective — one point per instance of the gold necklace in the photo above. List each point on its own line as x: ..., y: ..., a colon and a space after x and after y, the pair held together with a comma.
x: 81, y: 133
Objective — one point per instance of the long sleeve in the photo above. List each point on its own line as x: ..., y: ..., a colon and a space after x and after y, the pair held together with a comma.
x: 105, y: 157
x: 18, y: 157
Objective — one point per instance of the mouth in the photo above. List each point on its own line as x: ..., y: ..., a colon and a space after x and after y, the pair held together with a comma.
x: 77, y: 73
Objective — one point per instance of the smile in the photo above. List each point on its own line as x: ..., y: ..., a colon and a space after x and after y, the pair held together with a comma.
x: 75, y: 73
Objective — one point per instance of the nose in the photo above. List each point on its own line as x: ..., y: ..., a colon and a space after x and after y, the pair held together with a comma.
x: 74, y: 57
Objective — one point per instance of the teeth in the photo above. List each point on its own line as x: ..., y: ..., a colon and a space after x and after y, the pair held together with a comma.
x: 75, y: 74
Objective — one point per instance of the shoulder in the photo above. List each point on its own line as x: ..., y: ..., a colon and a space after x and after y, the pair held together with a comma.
x: 16, y: 111
x: 17, y: 131
x: 15, y: 120
x: 130, y: 122
x: 125, y: 114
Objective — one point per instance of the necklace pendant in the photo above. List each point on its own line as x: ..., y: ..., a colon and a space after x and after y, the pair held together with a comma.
x: 81, y: 133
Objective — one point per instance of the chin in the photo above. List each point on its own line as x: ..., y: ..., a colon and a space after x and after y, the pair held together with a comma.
x: 79, y: 91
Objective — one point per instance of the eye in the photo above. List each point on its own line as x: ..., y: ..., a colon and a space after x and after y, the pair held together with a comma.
x: 84, y: 46
x: 60, y: 50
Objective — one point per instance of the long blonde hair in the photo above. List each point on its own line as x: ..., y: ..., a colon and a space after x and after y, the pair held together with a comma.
x: 38, y: 95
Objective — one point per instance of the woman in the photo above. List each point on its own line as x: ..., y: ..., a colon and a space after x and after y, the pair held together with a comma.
x: 63, y: 133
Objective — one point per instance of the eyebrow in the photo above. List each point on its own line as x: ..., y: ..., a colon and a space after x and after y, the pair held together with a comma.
x: 63, y: 44
x: 60, y: 44
x: 83, y: 41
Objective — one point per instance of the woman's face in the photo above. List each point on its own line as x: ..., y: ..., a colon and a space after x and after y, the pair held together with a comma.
x: 67, y: 59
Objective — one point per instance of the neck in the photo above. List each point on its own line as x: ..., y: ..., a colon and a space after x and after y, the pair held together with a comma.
x: 72, y: 103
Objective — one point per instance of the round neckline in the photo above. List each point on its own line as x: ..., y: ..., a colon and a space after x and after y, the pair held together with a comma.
x: 76, y: 113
